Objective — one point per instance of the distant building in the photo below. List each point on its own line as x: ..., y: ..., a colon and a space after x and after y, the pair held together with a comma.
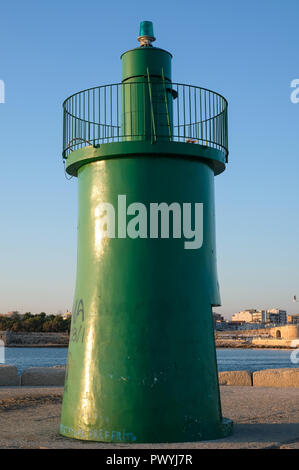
x: 251, y: 315
x: 219, y: 322
x: 294, y: 319
x: 67, y: 315
x: 13, y: 314
x: 276, y: 315
x: 217, y: 318
x: 234, y: 325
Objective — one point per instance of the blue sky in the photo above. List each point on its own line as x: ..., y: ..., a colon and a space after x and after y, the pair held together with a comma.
x: 247, y: 51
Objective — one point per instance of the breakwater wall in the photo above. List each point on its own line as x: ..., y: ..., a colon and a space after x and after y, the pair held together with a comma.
x: 33, y: 339
x: 255, y: 343
x: 54, y: 376
x: 284, y: 332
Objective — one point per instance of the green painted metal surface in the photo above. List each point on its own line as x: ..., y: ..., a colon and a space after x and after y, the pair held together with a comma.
x: 147, y: 106
x: 142, y: 363
x: 135, y: 63
x: 213, y: 157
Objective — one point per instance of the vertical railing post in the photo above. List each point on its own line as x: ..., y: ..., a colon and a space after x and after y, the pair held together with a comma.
x: 151, y: 104
x: 166, y: 104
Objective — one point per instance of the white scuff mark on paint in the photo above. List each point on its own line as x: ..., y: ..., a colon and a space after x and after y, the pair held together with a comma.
x: 125, y: 379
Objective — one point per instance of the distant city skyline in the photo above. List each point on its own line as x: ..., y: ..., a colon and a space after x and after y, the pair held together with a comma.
x: 228, y: 316
x: 246, y: 52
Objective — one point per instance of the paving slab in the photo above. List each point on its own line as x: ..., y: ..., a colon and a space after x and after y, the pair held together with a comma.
x: 264, y: 417
x: 9, y: 375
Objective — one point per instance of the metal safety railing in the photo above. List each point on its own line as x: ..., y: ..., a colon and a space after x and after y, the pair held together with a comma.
x: 147, y: 110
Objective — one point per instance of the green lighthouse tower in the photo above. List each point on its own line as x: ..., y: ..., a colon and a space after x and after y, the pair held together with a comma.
x: 141, y: 362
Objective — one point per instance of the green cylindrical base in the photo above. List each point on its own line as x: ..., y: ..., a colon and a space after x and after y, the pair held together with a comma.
x: 142, y: 362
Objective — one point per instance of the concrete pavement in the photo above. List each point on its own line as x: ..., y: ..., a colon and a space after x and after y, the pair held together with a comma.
x: 264, y: 417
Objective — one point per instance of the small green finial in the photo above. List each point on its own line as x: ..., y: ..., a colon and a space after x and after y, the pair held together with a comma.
x: 146, y: 33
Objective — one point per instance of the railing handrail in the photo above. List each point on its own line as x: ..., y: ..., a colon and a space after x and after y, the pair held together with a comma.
x: 145, y: 82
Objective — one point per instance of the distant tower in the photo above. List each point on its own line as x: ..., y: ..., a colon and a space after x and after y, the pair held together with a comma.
x: 142, y: 363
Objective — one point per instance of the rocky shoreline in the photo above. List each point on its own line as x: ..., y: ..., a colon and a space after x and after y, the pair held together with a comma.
x: 222, y: 345
x: 235, y: 344
x: 61, y: 340
x: 13, y: 339
x: 43, y: 345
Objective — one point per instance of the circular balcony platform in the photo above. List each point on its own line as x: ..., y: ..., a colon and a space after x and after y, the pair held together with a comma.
x: 145, y: 112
